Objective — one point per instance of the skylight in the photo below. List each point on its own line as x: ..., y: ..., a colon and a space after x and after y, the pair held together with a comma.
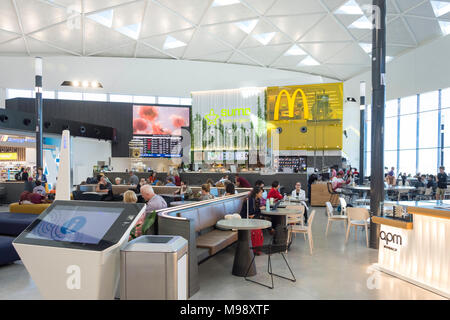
x: 440, y: 8
x: 445, y: 27
x: 246, y: 26
x: 221, y: 3
x: 308, y: 61
x: 367, y: 47
x: 172, y: 43
x: 361, y: 23
x: 350, y: 7
x: 131, y: 30
x: 104, y: 18
x: 295, y: 50
x: 264, y: 38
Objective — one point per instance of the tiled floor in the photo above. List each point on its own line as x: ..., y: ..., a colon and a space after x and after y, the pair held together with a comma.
x: 334, y: 271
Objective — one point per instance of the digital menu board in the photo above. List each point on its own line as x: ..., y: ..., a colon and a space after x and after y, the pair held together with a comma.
x: 161, y: 146
x: 159, y: 120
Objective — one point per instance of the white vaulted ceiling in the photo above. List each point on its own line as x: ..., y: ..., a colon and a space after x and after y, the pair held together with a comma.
x: 311, y: 36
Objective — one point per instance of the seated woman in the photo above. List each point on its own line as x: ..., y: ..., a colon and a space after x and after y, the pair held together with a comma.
x: 205, y: 192
x: 170, y: 182
x: 210, y: 182
x: 184, y: 189
x: 39, y: 188
x: 274, y: 192
x: 229, y: 190
x: 254, y: 204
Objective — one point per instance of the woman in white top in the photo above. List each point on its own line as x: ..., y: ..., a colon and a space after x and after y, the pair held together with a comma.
x: 298, y: 193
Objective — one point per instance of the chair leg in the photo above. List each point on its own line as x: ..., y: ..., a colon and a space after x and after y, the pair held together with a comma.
x: 367, y: 236
x: 311, y: 244
x: 356, y: 233
x: 290, y: 270
x: 269, y: 270
x: 347, y: 233
x: 328, y: 224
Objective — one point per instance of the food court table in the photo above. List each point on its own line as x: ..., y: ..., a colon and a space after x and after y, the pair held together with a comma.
x: 243, y: 255
x: 279, y: 219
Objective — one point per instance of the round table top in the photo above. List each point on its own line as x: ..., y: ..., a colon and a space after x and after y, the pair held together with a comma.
x: 180, y: 203
x: 280, y: 212
x: 243, y: 224
x: 292, y: 199
x: 367, y: 188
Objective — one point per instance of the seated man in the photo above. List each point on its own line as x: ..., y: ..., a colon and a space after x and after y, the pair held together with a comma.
x: 170, y: 182
x: 206, y: 195
x: 241, y: 182
x: 103, y: 186
x: 39, y: 188
x: 154, y: 201
x: 184, y: 190
x: 274, y: 192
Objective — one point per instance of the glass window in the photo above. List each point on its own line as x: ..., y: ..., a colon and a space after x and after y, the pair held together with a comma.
x: 186, y: 101
x: 390, y: 159
x: 62, y: 95
x: 445, y: 120
x: 408, y: 105
x: 445, y: 98
x: 144, y: 99
x: 408, y: 132
x: 427, y: 161
x: 429, y: 101
x: 391, y: 109
x: 407, y: 162
x: 369, y: 136
x: 95, y: 96
x: 17, y: 93
x: 48, y: 95
x: 368, y: 163
x: 369, y: 113
x: 168, y: 100
x: 447, y: 159
x: 428, y: 129
x: 390, y: 133
x: 120, y: 98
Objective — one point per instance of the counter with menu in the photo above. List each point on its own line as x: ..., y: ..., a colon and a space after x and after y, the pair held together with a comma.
x: 416, y: 247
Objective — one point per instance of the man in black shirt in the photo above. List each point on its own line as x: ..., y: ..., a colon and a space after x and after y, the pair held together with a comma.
x: 103, y: 185
x: 441, y: 183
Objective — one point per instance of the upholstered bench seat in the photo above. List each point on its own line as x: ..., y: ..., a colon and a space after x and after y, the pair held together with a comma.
x: 216, y: 240
x: 7, y: 252
x: 12, y: 224
x: 28, y: 208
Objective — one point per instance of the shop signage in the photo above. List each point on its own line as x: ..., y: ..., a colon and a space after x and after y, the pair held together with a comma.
x: 8, y: 156
x: 291, y: 104
x: 212, y: 116
x: 392, y: 241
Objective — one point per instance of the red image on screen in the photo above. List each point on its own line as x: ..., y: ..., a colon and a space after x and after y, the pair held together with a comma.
x: 156, y: 120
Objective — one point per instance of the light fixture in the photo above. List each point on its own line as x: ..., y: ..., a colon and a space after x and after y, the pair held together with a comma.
x: 295, y: 50
x: 350, y: 7
x: 222, y: 3
x: 264, y: 38
x: 440, y: 8
x: 85, y: 83
x: 172, y: 43
x: 247, y: 26
x: 361, y: 23
x: 308, y: 61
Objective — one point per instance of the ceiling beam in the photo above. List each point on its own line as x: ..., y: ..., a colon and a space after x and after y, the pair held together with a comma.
x: 19, y: 21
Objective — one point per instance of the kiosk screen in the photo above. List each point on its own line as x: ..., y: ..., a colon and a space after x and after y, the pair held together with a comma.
x: 80, y: 224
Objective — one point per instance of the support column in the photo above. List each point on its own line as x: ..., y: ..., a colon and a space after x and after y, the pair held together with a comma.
x: 378, y: 107
x: 362, y: 133
x: 38, y: 103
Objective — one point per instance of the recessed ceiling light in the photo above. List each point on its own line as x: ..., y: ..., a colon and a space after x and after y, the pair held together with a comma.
x: 104, y: 18
x: 264, y: 38
x: 295, y: 50
x: 221, y: 3
x: 172, y: 43
x: 367, y: 47
x: 94, y: 84
x: 309, y: 61
x: 445, y: 27
x: 246, y: 26
x: 131, y: 30
x: 76, y: 83
x: 85, y: 84
x: 350, y: 7
x: 361, y: 23
x: 440, y: 8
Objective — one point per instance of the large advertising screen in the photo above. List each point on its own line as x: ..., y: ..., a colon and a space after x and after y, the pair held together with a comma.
x: 75, y: 224
x: 159, y: 120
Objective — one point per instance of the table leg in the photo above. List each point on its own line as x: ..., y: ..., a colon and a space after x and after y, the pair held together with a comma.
x: 243, y: 256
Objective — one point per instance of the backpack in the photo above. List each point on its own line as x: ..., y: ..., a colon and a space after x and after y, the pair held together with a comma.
x: 17, y: 176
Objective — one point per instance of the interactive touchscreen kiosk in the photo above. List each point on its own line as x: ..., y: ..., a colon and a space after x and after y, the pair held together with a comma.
x: 72, y: 250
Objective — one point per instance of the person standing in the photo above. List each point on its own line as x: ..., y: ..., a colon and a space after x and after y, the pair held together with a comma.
x: 41, y: 177
x: 241, y: 182
x: 441, y: 184
x: 134, y: 180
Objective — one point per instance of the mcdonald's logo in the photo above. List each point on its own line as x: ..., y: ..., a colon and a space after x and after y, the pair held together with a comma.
x: 291, y: 104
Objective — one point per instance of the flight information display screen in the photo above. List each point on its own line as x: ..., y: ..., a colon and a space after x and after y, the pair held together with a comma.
x: 78, y: 224
x: 161, y: 147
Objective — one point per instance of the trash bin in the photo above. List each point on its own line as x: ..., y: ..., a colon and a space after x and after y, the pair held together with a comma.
x: 154, y: 267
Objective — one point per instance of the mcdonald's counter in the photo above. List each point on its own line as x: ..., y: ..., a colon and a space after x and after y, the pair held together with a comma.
x: 417, y: 249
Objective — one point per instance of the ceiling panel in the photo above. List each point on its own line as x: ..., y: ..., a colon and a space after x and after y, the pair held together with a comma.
x: 297, y: 26
x: 289, y: 7
x: 327, y: 30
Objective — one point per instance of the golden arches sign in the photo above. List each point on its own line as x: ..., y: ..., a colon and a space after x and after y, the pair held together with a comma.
x: 291, y: 104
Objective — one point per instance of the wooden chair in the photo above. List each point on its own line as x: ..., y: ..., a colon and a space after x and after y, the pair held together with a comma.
x: 358, y: 217
x: 305, y: 230
x: 333, y: 194
x: 343, y: 204
x: 332, y: 217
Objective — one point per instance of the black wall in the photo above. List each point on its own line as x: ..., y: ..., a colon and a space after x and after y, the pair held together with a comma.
x: 110, y: 114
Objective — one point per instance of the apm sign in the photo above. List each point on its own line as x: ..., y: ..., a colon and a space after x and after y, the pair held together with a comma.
x: 392, y: 241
